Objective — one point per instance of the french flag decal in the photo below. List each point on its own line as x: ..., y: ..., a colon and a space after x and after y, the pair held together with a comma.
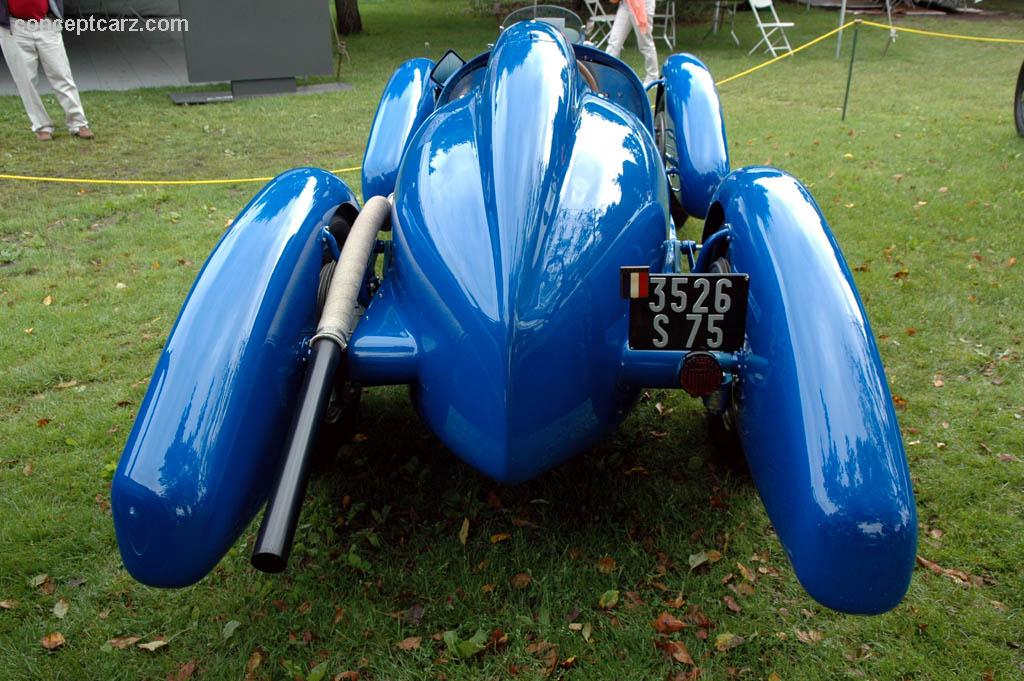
x: 635, y: 281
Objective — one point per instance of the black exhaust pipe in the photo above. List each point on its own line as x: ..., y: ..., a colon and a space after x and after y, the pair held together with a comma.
x: 277, y: 531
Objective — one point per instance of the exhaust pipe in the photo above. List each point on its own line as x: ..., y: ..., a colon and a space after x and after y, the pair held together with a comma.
x: 337, y: 322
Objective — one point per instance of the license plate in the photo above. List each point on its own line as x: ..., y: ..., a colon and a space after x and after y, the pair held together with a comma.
x: 685, y: 311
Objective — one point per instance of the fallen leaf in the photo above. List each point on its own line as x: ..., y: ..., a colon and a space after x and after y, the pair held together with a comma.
x: 521, y: 580
x: 810, y: 637
x: 697, y: 559
x: 677, y: 650
x: 304, y: 608
x: 154, y: 645
x: 229, y: 629
x: 338, y: 614
x: 463, y: 649
x: 255, y: 660
x: 346, y: 676
x: 609, y: 599
x: 727, y: 641
x: 411, y: 643
x: 745, y: 571
x: 774, y: 676
x: 27, y: 470
x: 731, y: 603
x: 30, y: 330
x: 60, y: 608
x: 41, y: 423
x: 52, y: 641
x: 122, y: 642
x: 938, y: 381
x: 8, y: 605
x: 587, y: 631
x: 606, y: 565
x: 64, y: 385
x: 569, y: 662
x: 667, y: 624
x: 185, y: 671
x: 899, y: 401
x: 464, y: 531
x: 414, y: 614
x: 48, y: 300
x: 500, y: 537
x: 714, y: 556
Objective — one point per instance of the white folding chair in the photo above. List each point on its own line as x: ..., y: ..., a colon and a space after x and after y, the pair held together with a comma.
x: 665, y: 22
x: 773, y: 31
x: 599, y: 23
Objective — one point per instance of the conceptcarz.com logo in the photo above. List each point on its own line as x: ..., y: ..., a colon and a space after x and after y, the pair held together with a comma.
x: 92, y: 24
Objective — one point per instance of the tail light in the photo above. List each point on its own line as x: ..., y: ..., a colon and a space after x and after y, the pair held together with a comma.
x: 700, y: 374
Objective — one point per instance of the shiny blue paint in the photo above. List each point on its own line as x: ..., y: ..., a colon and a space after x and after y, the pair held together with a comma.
x: 815, y: 414
x: 407, y: 101
x: 698, y: 148
x: 517, y: 199
x: 206, y: 440
x: 515, y: 206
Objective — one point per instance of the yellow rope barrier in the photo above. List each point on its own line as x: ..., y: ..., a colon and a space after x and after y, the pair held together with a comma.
x: 810, y: 43
x: 951, y: 36
x: 788, y: 54
x: 152, y: 183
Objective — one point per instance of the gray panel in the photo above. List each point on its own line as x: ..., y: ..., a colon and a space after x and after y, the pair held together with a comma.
x: 257, y: 39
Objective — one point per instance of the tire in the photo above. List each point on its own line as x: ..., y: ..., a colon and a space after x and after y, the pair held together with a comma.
x: 1018, y: 102
x: 676, y: 209
x: 723, y: 422
x: 341, y: 418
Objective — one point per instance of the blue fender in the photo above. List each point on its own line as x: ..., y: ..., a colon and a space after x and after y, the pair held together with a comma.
x: 816, y: 417
x: 697, y: 146
x: 407, y: 101
x: 207, y: 438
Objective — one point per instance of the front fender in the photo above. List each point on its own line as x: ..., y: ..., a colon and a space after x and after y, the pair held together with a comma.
x: 696, y: 143
x: 407, y: 101
x: 816, y: 417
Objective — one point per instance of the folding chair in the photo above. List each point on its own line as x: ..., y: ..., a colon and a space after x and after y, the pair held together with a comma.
x: 772, y: 27
x: 599, y: 24
x: 665, y: 22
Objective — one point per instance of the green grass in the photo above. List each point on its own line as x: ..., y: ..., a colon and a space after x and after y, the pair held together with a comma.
x: 926, y: 175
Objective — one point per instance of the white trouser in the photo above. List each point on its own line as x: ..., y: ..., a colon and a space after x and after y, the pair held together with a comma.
x: 26, y: 46
x: 624, y: 19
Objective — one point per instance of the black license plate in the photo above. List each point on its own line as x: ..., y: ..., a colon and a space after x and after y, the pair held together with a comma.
x: 685, y: 311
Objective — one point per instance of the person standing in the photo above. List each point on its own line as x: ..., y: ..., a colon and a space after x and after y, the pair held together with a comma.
x: 30, y: 36
x: 638, y: 14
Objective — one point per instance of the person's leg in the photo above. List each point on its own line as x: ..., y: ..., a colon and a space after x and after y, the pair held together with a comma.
x: 53, y: 57
x: 620, y: 29
x: 23, y: 63
x: 645, y: 42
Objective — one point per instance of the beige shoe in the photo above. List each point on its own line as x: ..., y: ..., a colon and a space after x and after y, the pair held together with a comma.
x: 84, y: 133
x: 44, y: 136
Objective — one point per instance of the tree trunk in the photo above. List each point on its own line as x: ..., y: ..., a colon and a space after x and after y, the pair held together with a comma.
x: 349, y: 20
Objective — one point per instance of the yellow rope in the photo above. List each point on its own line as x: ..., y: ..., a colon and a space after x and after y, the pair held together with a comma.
x: 788, y: 54
x: 151, y: 183
x: 952, y: 36
x: 815, y: 41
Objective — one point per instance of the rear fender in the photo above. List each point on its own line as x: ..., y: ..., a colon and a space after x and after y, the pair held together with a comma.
x: 816, y: 417
x: 407, y: 101
x: 207, y: 438
x: 695, y: 140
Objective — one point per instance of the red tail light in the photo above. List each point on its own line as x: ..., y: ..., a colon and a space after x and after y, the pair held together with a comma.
x: 701, y: 374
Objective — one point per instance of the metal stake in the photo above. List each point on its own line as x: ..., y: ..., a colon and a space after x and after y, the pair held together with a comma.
x: 849, y: 76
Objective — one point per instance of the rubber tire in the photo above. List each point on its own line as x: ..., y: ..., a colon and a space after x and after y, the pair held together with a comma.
x: 675, y: 207
x: 1018, y: 102
x: 341, y: 418
x: 722, y: 433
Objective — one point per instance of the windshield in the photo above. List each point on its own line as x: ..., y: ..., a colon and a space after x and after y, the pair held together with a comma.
x: 565, y: 20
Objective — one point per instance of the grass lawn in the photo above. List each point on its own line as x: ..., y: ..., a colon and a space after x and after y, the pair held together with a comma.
x: 923, y: 185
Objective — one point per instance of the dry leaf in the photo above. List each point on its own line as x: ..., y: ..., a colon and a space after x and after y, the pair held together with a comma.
x: 606, y: 565
x: 155, y: 644
x: 338, y: 614
x: 521, y: 580
x: 810, y: 637
x: 500, y: 537
x: 677, y: 650
x: 41, y: 423
x: 731, y: 603
x: 60, y: 608
x: 255, y: 660
x: 346, y: 676
x: 48, y: 300
x: 727, y: 641
x: 667, y: 624
x: 411, y: 643
x: 52, y: 641
x: 64, y: 385
x: 122, y: 642
x: 8, y: 605
x: 745, y: 571
x: 185, y: 671
x: 464, y: 531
